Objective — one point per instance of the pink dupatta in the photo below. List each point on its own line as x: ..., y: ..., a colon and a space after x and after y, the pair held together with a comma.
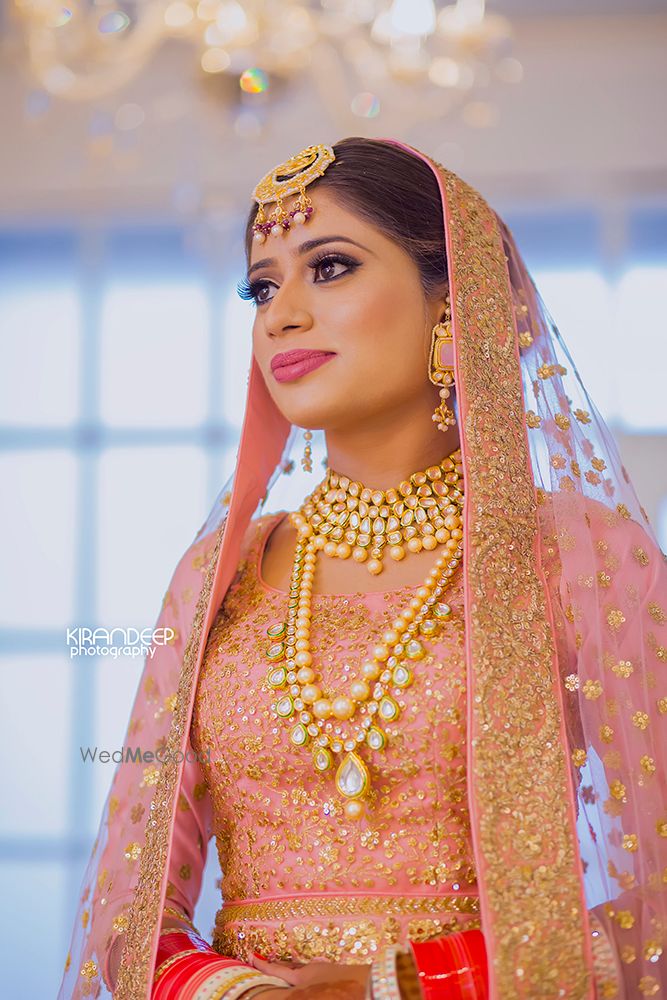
x: 566, y: 655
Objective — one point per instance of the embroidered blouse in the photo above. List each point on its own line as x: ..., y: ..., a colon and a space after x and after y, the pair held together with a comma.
x: 299, y: 880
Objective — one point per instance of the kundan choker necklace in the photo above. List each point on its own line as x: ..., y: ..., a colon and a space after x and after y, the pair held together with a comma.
x: 316, y: 718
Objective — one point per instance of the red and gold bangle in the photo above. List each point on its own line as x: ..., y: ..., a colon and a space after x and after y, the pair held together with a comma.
x: 452, y: 967
x: 174, y: 940
x: 177, y: 978
x: 179, y: 985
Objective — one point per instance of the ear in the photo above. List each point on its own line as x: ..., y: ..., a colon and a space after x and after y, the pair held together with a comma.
x: 444, y: 308
x: 442, y: 312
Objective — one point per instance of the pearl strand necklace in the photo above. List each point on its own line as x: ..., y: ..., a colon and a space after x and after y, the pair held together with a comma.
x: 296, y: 681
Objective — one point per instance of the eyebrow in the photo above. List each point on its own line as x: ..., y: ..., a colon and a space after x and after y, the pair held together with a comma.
x: 306, y: 248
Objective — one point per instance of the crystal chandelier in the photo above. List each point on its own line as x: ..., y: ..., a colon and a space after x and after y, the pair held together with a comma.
x: 413, y: 56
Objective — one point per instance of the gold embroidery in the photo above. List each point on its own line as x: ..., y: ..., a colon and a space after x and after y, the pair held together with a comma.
x: 325, y: 906
x: 515, y: 814
x: 134, y: 974
x: 278, y: 824
x: 362, y: 925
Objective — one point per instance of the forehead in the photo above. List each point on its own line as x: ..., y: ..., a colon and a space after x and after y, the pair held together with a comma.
x: 330, y: 218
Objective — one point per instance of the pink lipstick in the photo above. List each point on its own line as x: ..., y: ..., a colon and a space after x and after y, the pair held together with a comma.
x: 291, y: 365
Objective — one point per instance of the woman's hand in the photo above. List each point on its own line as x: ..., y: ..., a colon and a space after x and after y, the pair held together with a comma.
x: 314, y: 980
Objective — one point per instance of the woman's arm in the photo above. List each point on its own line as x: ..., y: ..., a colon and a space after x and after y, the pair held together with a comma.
x: 192, y: 832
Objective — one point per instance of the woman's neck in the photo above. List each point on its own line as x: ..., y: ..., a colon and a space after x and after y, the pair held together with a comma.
x: 380, y: 455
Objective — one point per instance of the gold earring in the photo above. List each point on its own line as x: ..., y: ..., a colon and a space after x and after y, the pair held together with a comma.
x: 307, y: 458
x: 439, y: 373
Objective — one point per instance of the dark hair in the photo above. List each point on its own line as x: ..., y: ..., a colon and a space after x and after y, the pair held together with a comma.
x: 394, y: 191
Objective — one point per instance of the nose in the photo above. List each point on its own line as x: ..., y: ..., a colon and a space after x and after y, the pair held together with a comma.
x: 287, y: 312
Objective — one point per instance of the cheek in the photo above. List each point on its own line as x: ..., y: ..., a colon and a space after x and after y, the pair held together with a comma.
x: 386, y: 323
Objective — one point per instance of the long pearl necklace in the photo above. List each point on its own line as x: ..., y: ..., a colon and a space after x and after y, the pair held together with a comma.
x: 371, y: 700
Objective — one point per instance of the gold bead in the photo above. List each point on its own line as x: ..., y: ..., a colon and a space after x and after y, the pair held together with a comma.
x: 359, y: 555
x: 442, y: 535
x: 429, y: 542
x: 353, y: 809
x: 343, y: 551
x: 370, y: 669
x: 452, y: 521
x: 310, y: 693
x: 415, y: 544
x: 397, y: 552
x: 342, y: 707
x: 381, y: 652
x: 390, y: 637
x: 359, y: 690
x: 322, y: 708
x: 305, y: 675
x: 374, y: 566
x: 330, y: 549
x: 303, y: 658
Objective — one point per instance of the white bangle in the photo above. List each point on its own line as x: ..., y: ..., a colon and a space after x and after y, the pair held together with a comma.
x: 232, y: 982
x: 383, y: 980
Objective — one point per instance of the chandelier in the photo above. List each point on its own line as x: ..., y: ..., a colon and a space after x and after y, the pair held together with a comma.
x: 414, y: 57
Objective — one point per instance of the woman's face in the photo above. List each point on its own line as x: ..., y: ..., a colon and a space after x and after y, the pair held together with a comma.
x: 337, y: 285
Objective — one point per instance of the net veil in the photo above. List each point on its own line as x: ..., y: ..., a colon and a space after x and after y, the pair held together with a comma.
x: 565, y: 604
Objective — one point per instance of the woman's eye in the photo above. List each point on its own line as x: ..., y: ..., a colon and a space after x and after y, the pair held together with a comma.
x: 331, y: 267
x: 261, y: 292
x: 327, y: 268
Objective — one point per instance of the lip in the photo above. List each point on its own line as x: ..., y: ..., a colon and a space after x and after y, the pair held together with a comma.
x: 290, y: 365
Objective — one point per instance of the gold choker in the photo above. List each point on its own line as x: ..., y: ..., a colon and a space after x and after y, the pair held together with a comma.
x: 347, y: 519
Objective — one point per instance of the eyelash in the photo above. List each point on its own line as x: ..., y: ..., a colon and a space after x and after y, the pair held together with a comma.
x: 249, y: 290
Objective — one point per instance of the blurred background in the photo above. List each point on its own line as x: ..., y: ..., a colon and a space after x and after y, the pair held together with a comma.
x: 133, y: 135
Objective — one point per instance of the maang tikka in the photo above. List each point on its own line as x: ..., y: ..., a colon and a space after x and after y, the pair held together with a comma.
x: 288, y: 178
x: 441, y: 369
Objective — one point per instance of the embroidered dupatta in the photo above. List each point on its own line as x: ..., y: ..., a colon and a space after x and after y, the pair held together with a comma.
x: 565, y: 597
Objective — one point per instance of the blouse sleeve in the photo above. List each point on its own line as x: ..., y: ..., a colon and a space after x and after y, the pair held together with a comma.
x: 192, y: 833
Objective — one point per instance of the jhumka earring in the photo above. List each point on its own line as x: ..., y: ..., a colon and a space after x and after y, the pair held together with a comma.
x: 441, y: 369
x: 307, y: 457
x: 288, y: 178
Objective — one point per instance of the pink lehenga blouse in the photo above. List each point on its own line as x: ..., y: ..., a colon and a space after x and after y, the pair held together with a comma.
x: 299, y: 880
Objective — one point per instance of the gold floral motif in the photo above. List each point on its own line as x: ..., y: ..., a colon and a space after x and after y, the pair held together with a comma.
x: 515, y: 816
x: 258, y: 787
x: 134, y: 974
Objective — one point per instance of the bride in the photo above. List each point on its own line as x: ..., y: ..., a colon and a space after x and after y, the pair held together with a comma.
x: 423, y: 708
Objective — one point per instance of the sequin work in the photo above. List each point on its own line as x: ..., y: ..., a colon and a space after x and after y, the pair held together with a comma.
x: 299, y: 880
